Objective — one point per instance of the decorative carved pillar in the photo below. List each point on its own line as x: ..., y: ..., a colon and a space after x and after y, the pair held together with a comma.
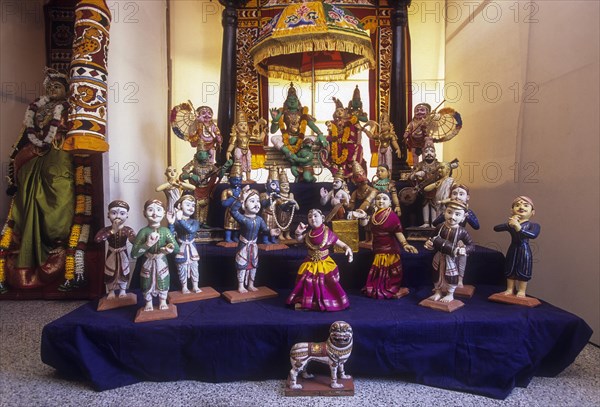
x: 227, y: 87
x: 398, y: 91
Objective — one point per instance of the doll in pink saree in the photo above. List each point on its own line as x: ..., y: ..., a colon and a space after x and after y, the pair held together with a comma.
x: 318, y: 281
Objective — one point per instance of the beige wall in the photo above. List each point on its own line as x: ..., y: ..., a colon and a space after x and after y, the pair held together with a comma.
x: 196, y: 40
x: 539, y: 138
x: 137, y: 110
x: 22, y: 62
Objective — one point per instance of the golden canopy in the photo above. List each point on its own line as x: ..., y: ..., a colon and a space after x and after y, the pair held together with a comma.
x: 312, y: 38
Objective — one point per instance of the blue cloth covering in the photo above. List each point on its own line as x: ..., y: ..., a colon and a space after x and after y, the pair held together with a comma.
x: 485, y: 348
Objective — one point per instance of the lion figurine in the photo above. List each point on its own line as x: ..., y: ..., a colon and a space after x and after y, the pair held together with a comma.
x: 334, y: 352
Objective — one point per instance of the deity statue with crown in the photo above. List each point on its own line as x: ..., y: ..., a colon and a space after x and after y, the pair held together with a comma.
x: 291, y: 120
x: 345, y: 136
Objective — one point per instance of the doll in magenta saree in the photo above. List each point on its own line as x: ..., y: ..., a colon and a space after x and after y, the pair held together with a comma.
x: 318, y: 281
x: 385, y: 276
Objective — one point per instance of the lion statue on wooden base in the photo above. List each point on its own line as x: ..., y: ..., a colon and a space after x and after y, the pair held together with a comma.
x: 334, y: 352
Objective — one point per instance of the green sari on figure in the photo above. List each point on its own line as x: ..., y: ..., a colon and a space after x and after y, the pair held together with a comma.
x: 43, y: 206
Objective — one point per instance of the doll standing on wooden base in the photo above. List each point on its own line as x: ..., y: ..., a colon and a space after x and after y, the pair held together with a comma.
x: 116, y: 266
x: 450, y: 241
x: 184, y: 227
x: 519, y: 259
x: 246, y: 258
x: 154, y: 242
x: 385, y: 276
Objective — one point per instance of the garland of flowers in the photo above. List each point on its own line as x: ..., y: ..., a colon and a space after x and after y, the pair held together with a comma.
x: 5, y: 239
x: 334, y: 145
x: 286, y: 134
x: 80, y: 230
x: 54, y: 123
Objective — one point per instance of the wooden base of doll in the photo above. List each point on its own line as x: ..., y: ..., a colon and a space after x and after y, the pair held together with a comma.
x: 117, y: 302
x: 156, y: 314
x: 227, y: 244
x: 418, y: 233
x: 272, y: 246
x: 465, y: 291
x: 262, y: 293
x: 320, y: 385
x: 442, y: 306
x: 513, y: 299
x: 177, y: 297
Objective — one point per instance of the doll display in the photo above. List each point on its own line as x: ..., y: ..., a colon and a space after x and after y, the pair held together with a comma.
x: 228, y: 197
x: 245, y: 211
x: 291, y: 120
x: 338, y: 197
x: 449, y: 243
x: 461, y: 193
x: 239, y: 142
x: 417, y: 130
x: 386, y: 140
x: 361, y: 198
x: 197, y: 127
x: 355, y: 106
x: 41, y: 181
x: 117, y: 273
x: 269, y: 200
x: 173, y: 188
x: 432, y: 179
x: 204, y: 175
x: 344, y: 139
x: 519, y: 258
x: 154, y: 242
x: 317, y: 284
x: 383, y: 183
x: 302, y: 162
x: 334, y: 353
x: 385, y: 276
x: 184, y: 228
x: 285, y: 207
x: 427, y: 124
